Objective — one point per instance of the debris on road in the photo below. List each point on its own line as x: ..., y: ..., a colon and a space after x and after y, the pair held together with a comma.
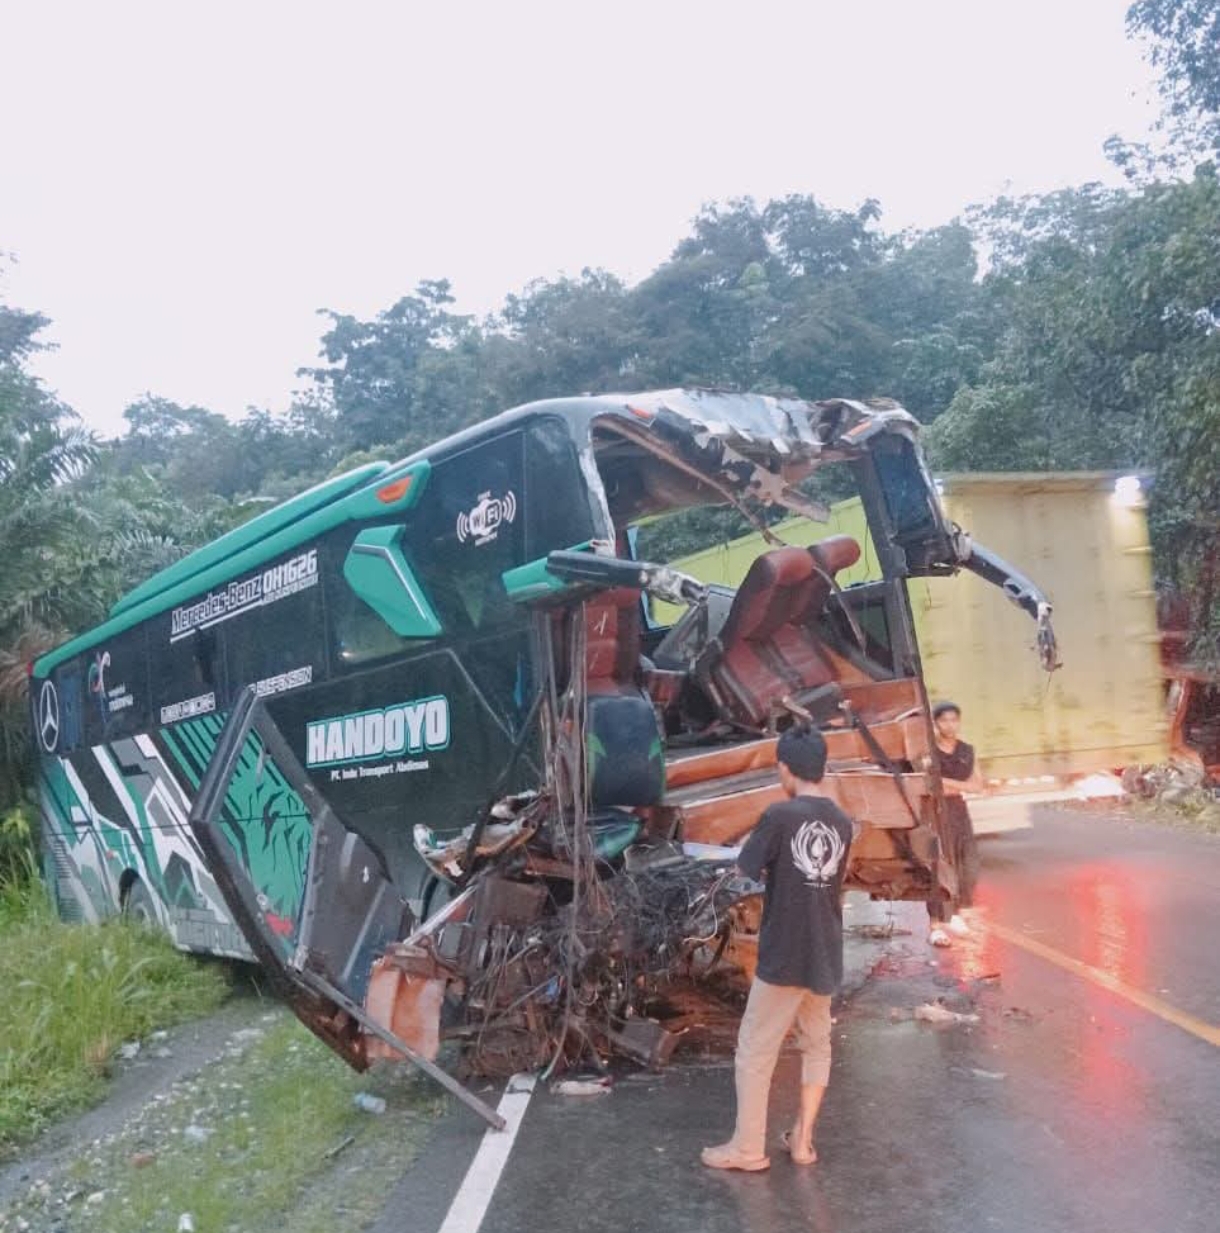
x: 877, y: 932
x: 934, y: 1012
x: 369, y: 1103
x: 1171, y: 783
x: 342, y: 1145
x: 582, y: 1087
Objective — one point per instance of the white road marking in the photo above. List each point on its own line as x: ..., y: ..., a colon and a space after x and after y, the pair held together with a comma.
x: 473, y: 1198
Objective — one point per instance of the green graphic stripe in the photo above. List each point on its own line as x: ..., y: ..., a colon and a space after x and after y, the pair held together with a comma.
x: 184, y: 764
x: 61, y: 795
x: 148, y: 845
x: 197, y: 745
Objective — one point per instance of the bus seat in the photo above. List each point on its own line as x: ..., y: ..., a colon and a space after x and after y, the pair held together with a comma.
x: 625, y: 748
x: 797, y: 640
x: 830, y: 557
x: 613, y: 633
x: 625, y: 751
x: 742, y: 669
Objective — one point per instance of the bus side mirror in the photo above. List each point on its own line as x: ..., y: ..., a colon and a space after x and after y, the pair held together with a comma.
x: 378, y: 573
x: 536, y: 582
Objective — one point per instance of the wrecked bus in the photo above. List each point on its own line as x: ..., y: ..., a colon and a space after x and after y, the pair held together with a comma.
x: 410, y: 740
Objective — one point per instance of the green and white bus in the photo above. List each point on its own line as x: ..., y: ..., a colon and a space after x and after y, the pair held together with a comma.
x: 388, y: 618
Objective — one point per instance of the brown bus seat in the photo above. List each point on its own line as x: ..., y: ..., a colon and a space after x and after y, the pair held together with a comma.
x: 769, y: 652
x: 797, y: 639
x: 742, y: 669
x: 613, y: 632
x: 624, y: 755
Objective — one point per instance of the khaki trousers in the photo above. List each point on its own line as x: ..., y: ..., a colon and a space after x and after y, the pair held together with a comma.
x: 770, y: 1012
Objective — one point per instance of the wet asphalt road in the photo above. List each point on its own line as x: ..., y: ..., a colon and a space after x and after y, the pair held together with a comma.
x: 1083, y: 1099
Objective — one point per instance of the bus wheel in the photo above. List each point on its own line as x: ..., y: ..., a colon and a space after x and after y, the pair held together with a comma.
x: 138, y: 905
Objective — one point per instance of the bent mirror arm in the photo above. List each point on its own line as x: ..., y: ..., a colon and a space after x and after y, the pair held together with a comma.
x: 666, y: 583
x: 1018, y: 588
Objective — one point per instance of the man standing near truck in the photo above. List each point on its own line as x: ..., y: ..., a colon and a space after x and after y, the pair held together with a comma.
x: 799, y: 848
x: 958, y: 774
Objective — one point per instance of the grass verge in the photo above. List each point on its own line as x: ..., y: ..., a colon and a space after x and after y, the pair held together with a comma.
x: 268, y: 1137
x: 1197, y: 811
x: 71, y: 995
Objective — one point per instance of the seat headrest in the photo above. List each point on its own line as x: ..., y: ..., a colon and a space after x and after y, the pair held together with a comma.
x: 781, y: 567
x: 836, y: 552
x: 763, y: 601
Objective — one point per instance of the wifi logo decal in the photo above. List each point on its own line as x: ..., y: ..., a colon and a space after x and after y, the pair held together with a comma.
x: 482, y: 524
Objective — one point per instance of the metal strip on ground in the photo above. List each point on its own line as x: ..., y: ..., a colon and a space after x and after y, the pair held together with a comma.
x: 1146, y: 1001
x: 475, y: 1193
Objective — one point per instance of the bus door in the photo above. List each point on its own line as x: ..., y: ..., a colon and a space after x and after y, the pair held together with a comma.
x: 345, y: 875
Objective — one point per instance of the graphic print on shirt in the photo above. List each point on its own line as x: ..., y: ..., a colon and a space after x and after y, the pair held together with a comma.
x: 817, y: 851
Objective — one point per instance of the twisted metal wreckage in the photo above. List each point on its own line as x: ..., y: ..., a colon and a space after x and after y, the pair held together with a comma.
x: 598, y: 911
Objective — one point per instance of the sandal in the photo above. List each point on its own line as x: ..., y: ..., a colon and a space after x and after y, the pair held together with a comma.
x: 798, y: 1157
x: 726, y: 1156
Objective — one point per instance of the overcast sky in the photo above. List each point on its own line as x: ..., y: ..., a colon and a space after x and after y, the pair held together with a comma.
x: 184, y: 186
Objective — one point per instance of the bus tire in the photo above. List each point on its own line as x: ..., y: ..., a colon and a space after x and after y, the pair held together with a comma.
x: 138, y: 905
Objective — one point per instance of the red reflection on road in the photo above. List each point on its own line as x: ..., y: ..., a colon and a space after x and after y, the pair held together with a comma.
x: 1110, y: 919
x: 1097, y: 913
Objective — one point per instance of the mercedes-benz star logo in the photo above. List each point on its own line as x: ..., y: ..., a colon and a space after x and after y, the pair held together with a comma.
x: 48, y: 716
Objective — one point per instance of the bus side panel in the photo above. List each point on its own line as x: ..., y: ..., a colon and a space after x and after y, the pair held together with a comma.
x: 117, y: 810
x: 73, y: 859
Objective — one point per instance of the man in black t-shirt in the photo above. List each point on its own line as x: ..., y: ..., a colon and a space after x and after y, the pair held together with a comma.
x: 800, y: 848
x: 958, y: 846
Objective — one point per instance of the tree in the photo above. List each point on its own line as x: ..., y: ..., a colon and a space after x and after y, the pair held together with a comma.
x: 1184, y: 44
x: 42, y: 448
x: 372, y: 366
x: 1109, y: 358
x: 566, y: 335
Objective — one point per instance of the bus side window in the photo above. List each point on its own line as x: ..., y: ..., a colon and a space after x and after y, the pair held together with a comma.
x: 466, y: 531
x: 557, y: 509
x: 281, y: 643
x: 186, y: 673
x: 358, y: 635
x: 68, y: 687
x: 116, y: 688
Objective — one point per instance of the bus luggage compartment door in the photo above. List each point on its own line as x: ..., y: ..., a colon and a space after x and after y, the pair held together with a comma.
x: 349, y: 910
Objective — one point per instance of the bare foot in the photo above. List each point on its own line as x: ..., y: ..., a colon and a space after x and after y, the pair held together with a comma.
x: 802, y: 1157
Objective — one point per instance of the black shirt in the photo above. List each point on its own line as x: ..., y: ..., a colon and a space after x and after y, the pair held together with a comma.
x: 801, y: 844
x: 956, y: 765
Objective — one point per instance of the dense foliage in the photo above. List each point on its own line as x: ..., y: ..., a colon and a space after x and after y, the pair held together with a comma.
x: 1079, y: 329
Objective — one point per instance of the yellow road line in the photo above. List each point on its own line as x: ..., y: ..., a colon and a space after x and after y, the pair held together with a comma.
x: 1170, y: 1014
